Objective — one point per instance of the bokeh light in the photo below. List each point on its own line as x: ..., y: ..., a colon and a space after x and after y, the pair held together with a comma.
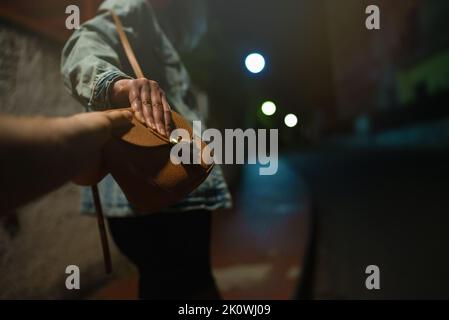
x: 291, y: 120
x: 255, y: 62
x: 268, y: 108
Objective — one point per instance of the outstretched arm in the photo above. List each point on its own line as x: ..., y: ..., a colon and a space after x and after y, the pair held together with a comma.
x: 37, y: 155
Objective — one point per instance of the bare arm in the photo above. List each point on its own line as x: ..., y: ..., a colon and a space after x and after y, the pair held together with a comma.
x: 37, y: 155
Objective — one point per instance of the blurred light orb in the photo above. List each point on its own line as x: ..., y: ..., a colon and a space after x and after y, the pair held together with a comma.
x: 291, y: 120
x: 255, y: 62
x: 268, y: 108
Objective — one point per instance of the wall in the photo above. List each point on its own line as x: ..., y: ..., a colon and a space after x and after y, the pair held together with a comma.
x: 44, y: 237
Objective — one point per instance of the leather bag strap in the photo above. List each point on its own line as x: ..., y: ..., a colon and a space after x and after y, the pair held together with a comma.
x: 102, y: 229
x: 126, y: 45
x: 95, y: 194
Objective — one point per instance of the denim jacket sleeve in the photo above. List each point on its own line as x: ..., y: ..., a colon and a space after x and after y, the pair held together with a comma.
x: 93, y: 58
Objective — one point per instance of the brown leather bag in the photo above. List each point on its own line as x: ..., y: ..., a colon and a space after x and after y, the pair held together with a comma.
x: 139, y: 160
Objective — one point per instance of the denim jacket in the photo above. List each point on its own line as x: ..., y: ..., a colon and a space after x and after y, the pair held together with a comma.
x: 93, y: 59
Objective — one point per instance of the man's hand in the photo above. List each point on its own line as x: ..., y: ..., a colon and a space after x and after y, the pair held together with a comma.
x: 147, y: 100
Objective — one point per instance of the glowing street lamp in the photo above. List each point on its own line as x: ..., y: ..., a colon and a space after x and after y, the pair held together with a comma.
x: 268, y: 108
x: 291, y: 120
x: 255, y: 62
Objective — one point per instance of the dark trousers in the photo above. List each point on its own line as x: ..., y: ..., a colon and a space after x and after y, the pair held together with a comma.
x: 171, y: 252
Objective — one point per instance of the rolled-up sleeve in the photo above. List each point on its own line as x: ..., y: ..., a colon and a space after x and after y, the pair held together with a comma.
x: 92, y: 57
x: 91, y: 63
x: 101, y: 89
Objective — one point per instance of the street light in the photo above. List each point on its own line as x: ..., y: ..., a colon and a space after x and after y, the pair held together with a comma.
x: 291, y: 120
x: 255, y: 62
x: 268, y: 108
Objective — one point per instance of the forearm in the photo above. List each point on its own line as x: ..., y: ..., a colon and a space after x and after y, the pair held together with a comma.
x: 36, y: 157
x: 40, y: 154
